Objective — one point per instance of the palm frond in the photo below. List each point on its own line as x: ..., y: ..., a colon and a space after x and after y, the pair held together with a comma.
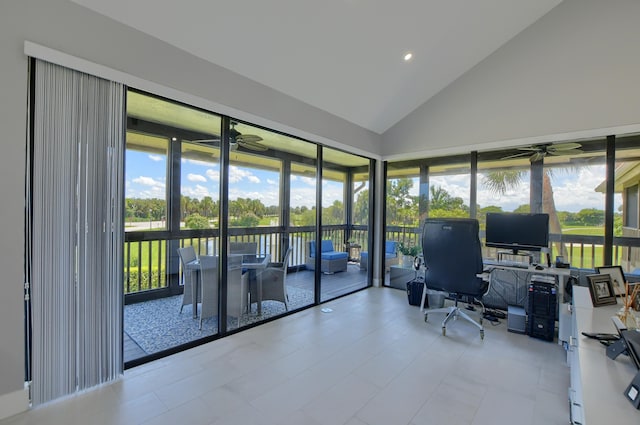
x: 501, y: 181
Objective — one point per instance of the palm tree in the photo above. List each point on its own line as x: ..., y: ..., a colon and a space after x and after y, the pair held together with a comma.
x: 501, y: 181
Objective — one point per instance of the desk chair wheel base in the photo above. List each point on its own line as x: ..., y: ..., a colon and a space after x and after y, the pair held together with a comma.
x: 482, y: 334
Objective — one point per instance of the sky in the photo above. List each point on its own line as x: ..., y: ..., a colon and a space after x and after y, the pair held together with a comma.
x: 145, y: 177
x: 573, y: 191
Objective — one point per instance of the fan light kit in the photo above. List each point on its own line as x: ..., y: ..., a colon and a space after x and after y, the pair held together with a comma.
x: 237, y: 139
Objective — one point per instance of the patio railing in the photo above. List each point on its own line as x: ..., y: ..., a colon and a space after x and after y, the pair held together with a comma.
x: 585, y: 252
x: 146, y: 253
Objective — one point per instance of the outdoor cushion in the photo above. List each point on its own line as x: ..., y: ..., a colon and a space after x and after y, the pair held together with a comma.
x: 326, y: 246
x: 390, y: 248
x: 334, y: 255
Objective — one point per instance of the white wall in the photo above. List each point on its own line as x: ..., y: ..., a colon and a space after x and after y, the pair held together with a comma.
x: 576, y: 70
x: 71, y: 29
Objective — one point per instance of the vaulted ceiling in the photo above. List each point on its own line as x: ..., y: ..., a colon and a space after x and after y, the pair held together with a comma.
x: 343, y: 56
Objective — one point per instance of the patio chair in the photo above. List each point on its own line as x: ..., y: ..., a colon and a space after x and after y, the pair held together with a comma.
x: 274, y: 281
x: 237, y: 286
x: 187, y: 255
x: 208, y: 287
x: 331, y: 261
x: 243, y: 247
x: 390, y: 255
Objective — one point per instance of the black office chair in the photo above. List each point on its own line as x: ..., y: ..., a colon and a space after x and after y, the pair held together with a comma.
x: 453, y: 261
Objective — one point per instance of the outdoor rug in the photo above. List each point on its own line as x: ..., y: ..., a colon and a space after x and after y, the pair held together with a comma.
x: 158, y: 325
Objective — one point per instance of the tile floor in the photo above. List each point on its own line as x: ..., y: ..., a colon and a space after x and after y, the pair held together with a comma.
x: 372, y: 360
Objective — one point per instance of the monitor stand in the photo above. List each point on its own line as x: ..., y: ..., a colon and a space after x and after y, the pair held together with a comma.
x: 515, y: 257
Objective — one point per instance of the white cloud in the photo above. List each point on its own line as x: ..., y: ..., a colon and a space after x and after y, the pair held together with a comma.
x: 213, y: 175
x: 311, y: 181
x: 455, y: 185
x: 253, y: 179
x: 152, y: 188
x: 196, y: 178
x: 271, y: 181
x: 576, y: 191
x: 331, y: 192
x: 199, y: 192
x: 237, y: 174
x: 156, y: 158
x: 148, y: 181
x: 268, y: 198
x: 303, y: 197
x: 200, y: 163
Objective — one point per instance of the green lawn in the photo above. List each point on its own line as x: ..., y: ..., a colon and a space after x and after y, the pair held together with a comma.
x: 585, y: 256
x: 583, y: 230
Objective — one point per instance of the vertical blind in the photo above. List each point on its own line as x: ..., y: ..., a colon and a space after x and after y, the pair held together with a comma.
x: 75, y: 225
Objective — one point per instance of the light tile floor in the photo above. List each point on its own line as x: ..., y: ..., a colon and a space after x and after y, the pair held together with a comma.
x: 371, y: 361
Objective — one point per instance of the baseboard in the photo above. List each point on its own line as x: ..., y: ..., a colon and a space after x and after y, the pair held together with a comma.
x: 13, y: 403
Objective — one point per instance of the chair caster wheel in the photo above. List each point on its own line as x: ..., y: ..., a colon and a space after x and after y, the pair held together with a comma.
x: 481, y: 321
x: 444, y: 331
x: 482, y: 334
x: 425, y: 317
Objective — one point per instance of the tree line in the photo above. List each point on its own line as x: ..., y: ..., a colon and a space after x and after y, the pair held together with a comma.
x: 243, y: 212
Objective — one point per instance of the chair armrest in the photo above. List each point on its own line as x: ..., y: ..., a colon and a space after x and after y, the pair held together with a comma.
x: 485, y: 275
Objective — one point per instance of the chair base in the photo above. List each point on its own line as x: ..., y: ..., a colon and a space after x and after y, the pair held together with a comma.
x: 453, y: 312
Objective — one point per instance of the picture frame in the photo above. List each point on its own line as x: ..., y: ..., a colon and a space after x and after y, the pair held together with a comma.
x: 601, y: 290
x: 618, y: 280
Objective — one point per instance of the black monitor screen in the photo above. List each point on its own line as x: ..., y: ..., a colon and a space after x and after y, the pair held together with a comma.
x: 526, y: 232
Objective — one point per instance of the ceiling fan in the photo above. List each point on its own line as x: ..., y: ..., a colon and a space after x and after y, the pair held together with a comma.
x: 237, y: 139
x: 537, y: 152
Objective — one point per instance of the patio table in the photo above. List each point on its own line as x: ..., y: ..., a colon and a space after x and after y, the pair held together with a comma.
x: 249, y: 262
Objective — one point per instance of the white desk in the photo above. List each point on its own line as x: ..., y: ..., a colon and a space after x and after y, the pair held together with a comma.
x: 597, y: 382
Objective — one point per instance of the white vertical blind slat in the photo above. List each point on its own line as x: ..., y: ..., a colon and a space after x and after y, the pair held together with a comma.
x: 76, y: 232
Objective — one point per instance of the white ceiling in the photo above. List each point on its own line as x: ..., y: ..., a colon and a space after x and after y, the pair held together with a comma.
x: 342, y: 56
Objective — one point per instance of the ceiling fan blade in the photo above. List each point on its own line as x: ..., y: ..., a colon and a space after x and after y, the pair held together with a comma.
x: 517, y: 155
x: 565, y: 152
x: 248, y: 138
x: 536, y: 156
x: 530, y: 148
x: 564, y: 146
x: 206, y: 141
x: 254, y: 146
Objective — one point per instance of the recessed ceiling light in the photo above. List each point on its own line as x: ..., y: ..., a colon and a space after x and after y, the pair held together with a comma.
x: 408, y: 56
x: 175, y: 139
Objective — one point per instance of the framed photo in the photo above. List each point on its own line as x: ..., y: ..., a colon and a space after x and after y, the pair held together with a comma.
x: 601, y: 290
x: 617, y: 278
x: 635, y: 303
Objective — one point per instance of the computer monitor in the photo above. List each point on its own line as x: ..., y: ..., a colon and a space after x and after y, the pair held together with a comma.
x: 517, y: 232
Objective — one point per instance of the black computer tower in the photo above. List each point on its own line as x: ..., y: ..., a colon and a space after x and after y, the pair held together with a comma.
x: 542, y: 307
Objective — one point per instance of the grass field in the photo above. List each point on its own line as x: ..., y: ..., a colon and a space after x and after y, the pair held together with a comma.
x: 152, y: 254
x: 583, y: 230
